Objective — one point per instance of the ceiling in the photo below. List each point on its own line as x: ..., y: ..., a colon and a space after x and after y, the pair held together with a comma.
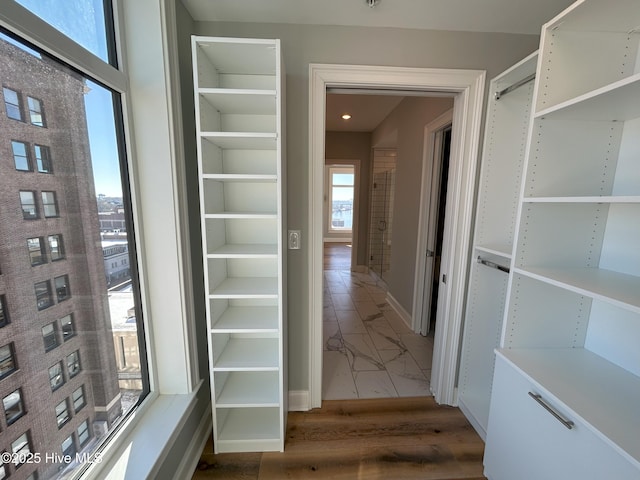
x: 507, y: 16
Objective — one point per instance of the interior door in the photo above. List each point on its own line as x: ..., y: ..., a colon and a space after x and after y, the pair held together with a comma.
x: 435, y: 224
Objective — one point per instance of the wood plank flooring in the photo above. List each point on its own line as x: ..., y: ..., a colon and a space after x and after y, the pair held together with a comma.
x: 377, y: 439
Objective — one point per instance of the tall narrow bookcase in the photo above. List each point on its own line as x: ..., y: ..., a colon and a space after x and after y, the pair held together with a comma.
x: 507, y: 128
x: 238, y: 85
x: 566, y: 391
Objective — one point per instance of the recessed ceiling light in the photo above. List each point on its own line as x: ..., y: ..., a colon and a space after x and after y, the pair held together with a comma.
x: 346, y: 116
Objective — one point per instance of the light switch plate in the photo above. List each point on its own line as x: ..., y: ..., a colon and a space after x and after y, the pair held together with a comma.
x: 294, y: 239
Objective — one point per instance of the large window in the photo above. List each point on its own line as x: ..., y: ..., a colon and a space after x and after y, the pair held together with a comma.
x: 341, y: 193
x: 13, y: 406
x: 70, y: 115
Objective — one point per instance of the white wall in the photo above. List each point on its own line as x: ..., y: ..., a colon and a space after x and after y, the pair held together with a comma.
x: 305, y: 44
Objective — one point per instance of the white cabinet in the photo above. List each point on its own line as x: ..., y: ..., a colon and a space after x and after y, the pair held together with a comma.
x: 507, y: 126
x: 239, y: 100
x: 572, y: 320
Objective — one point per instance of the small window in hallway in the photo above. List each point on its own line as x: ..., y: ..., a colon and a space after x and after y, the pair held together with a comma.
x: 341, y: 193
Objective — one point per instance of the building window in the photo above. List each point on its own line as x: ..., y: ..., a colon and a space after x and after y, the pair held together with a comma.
x: 43, y: 159
x: 29, y: 207
x: 78, y: 399
x: 68, y: 327
x: 21, y: 156
x: 62, y: 413
x: 49, y: 204
x: 7, y: 360
x: 21, y: 449
x: 13, y: 406
x: 4, y: 313
x: 62, y: 287
x: 44, y: 298
x: 56, y: 247
x: 83, y: 433
x: 37, y: 252
x: 341, y: 193
x: 49, y: 337
x: 12, y: 104
x: 36, y: 113
x: 73, y: 363
x: 56, y: 378
x: 4, y: 473
x: 69, y: 446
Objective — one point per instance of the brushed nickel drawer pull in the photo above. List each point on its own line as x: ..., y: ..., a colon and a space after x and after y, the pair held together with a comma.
x: 538, y: 398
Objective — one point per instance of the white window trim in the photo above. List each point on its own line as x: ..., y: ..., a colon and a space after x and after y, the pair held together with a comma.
x: 159, y: 203
x: 345, y: 169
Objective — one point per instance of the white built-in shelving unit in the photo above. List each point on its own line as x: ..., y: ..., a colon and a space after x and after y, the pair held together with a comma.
x: 507, y: 127
x: 566, y: 391
x: 238, y: 105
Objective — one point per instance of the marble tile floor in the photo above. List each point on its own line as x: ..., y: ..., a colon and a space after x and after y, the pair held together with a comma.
x: 369, y: 352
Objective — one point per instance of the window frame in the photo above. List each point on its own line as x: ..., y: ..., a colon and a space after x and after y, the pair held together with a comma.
x: 27, y: 156
x: 63, y: 292
x: 43, y: 159
x: 56, y: 386
x: 36, y: 259
x: 60, y: 247
x: 338, y: 169
x: 74, y: 400
x: 17, y: 106
x: 5, y: 318
x: 36, y: 210
x: 68, y: 336
x: 65, y: 404
x: 11, y: 357
x: 50, y: 339
x: 39, y: 296
x: 157, y: 165
x: 22, y: 411
x: 76, y: 362
x: 42, y: 123
x: 20, y: 453
x: 48, y: 203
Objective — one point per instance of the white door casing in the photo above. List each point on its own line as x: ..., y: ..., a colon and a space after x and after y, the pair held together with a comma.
x: 467, y: 87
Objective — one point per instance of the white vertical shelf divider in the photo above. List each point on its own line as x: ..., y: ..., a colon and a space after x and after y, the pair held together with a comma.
x: 507, y: 125
x: 572, y: 318
x: 239, y: 98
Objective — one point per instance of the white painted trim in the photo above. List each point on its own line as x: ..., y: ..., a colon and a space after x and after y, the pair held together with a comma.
x: 473, y: 421
x: 299, y: 401
x: 424, y: 216
x: 468, y: 88
x: 402, y: 313
x: 193, y: 451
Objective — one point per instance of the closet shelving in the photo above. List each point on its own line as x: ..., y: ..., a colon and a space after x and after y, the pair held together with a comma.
x: 573, y: 315
x: 239, y: 96
x: 507, y: 122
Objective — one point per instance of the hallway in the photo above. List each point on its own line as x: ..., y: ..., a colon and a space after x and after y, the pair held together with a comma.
x: 369, y: 352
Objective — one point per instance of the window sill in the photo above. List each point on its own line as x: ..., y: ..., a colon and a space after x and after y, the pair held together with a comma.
x: 139, y: 448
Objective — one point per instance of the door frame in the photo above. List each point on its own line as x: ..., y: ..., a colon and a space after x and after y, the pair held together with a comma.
x: 428, y: 214
x: 467, y: 89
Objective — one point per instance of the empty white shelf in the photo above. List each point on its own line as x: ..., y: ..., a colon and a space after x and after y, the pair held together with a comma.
x: 245, y: 251
x: 249, y: 354
x: 240, y: 101
x: 249, y: 389
x: 246, y: 287
x: 242, y: 140
x: 253, y: 319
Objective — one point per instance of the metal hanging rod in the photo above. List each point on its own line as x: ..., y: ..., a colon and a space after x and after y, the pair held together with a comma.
x: 491, y: 264
x: 518, y: 84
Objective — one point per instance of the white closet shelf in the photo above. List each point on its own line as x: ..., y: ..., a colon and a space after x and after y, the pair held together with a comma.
x: 240, y: 177
x: 250, y: 430
x: 247, y: 319
x: 618, y: 101
x: 598, y: 17
x: 246, y: 287
x: 240, y: 56
x: 242, y: 140
x: 495, y: 249
x: 240, y: 101
x: 249, y: 389
x: 604, y: 396
x: 241, y: 215
x: 248, y: 354
x: 612, y: 287
x: 585, y: 199
x: 245, y: 251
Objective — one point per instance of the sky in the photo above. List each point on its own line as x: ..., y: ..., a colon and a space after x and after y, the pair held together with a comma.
x: 83, y: 21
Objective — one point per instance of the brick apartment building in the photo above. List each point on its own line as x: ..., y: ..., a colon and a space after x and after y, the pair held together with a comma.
x: 58, y: 377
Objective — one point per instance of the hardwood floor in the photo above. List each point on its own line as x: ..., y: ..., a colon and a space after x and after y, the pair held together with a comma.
x: 376, y: 439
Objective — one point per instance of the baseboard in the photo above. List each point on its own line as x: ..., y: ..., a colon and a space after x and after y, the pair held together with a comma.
x: 402, y: 313
x: 337, y: 240
x: 193, y: 451
x: 299, y: 400
x: 472, y: 420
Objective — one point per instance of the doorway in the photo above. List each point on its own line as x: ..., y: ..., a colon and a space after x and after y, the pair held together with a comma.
x: 466, y: 86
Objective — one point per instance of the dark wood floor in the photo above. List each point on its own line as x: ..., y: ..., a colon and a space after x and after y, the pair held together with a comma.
x: 378, y: 439
x: 337, y: 256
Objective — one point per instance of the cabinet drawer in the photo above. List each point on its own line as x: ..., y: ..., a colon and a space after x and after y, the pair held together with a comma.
x: 525, y: 441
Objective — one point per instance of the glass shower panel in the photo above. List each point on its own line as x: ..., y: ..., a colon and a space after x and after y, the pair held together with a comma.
x: 380, y: 227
